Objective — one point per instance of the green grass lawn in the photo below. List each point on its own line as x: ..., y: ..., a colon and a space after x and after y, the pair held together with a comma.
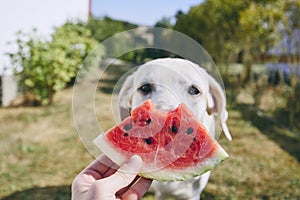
x: 41, y: 153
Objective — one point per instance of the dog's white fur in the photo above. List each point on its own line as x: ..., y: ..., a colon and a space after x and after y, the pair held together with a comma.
x: 170, y: 80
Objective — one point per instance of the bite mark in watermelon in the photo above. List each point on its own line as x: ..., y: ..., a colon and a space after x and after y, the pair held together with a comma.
x: 173, y: 145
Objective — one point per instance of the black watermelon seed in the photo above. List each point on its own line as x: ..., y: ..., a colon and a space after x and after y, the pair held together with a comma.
x: 174, y: 129
x: 148, y: 121
x: 148, y: 140
x: 192, y: 146
x: 127, y: 127
x: 125, y: 134
x: 189, y: 131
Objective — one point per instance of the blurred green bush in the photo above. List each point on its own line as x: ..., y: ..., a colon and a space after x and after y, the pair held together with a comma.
x: 45, y: 66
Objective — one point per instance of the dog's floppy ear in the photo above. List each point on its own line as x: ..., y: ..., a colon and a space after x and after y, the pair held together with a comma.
x: 216, y: 103
x: 125, y: 96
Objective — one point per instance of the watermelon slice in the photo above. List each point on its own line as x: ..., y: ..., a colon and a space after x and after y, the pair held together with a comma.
x: 173, y: 145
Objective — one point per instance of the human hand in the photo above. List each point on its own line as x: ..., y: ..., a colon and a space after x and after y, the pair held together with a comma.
x: 104, y: 180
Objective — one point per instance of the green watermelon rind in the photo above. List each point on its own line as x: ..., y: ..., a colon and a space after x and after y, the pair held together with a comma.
x: 162, y: 174
x: 167, y: 175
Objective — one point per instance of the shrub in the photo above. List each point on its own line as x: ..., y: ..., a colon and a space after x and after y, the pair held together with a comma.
x: 43, y: 66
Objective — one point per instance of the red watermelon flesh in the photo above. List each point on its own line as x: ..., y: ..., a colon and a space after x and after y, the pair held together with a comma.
x: 173, y: 145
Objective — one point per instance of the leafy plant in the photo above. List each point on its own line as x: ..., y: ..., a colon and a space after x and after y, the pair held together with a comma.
x: 45, y: 66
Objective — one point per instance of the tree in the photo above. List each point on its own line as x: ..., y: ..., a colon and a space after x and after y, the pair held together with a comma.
x: 214, y: 25
x: 46, y: 66
x: 227, y: 27
x: 165, y: 22
x: 259, y: 30
x: 291, y: 92
x: 105, y: 27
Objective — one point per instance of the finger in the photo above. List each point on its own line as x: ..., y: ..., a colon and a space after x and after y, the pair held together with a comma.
x: 138, y: 190
x: 111, y: 170
x: 124, y: 175
x: 123, y: 190
x: 101, y: 167
x: 86, y: 177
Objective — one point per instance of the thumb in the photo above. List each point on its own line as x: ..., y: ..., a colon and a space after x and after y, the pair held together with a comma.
x: 125, y: 174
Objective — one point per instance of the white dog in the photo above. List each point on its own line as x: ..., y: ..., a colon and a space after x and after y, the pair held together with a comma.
x: 168, y: 82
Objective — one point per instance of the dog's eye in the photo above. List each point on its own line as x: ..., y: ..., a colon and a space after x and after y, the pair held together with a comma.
x: 146, y: 88
x: 193, y: 90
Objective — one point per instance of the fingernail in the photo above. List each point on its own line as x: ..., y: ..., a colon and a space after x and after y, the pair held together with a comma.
x: 135, y: 162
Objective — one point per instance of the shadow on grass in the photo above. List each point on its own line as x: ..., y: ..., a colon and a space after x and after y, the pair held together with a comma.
x: 45, y: 193
x: 279, y: 134
x: 208, y: 196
